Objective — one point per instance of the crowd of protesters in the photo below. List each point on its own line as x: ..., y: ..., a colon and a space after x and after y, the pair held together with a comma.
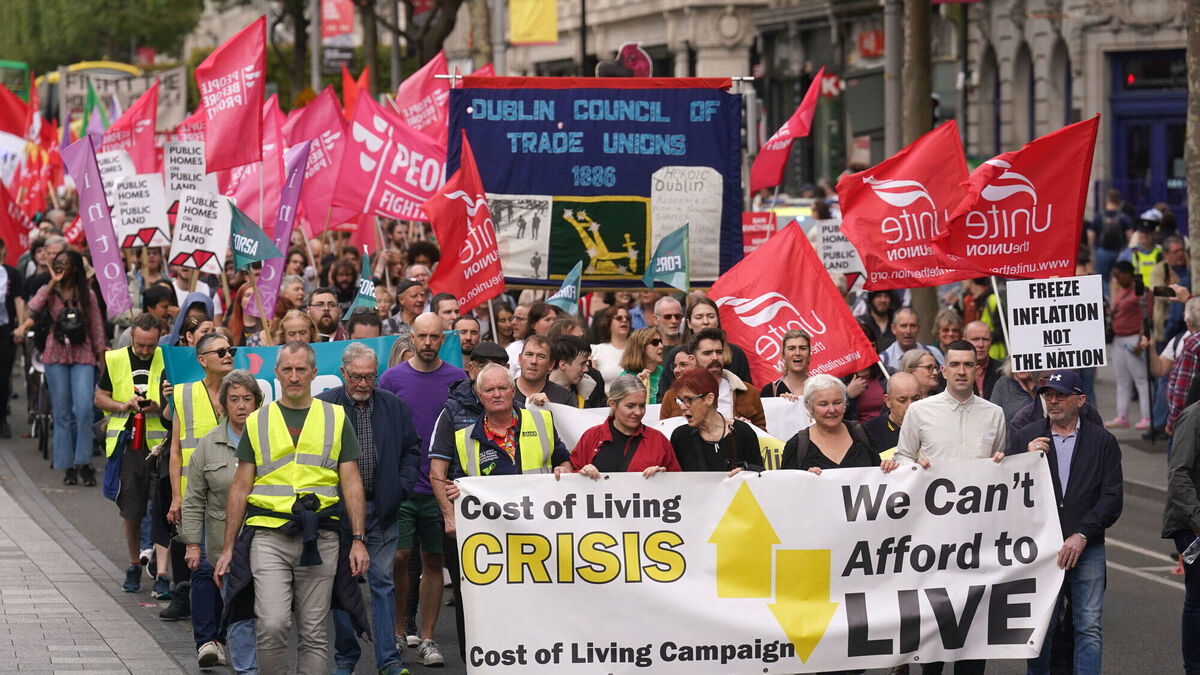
x: 426, y: 421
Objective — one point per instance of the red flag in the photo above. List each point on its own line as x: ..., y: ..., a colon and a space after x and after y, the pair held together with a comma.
x: 231, y: 86
x: 13, y: 113
x: 241, y: 184
x: 461, y: 221
x: 15, y: 227
x: 388, y: 169
x: 1023, y: 210
x: 767, y: 170
x: 349, y: 93
x: 892, y: 211
x: 133, y: 132
x: 321, y: 121
x: 757, y: 309
x: 488, y: 70
x: 192, y: 127
x: 423, y: 100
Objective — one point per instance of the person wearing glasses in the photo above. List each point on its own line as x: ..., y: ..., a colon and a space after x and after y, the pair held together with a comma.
x: 391, y: 456
x: 668, y: 314
x: 735, y: 398
x: 194, y: 412
x: 797, y: 355
x: 423, y: 382
x: 326, y: 313
x: 711, y: 440
x: 614, y: 333
x: 922, y: 365
x: 643, y: 358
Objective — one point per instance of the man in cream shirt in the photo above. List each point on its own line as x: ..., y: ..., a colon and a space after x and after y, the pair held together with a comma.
x: 954, y: 425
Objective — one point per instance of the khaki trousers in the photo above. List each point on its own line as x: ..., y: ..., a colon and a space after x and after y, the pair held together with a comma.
x: 281, y: 583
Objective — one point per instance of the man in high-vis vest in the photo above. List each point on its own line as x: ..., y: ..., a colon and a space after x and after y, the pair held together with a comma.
x: 504, y: 441
x: 297, y: 473
x: 131, y: 383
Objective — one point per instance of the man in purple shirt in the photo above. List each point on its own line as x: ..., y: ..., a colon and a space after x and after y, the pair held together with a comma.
x: 423, y: 383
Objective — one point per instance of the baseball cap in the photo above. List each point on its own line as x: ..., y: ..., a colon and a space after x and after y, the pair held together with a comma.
x: 490, y: 352
x: 1062, y: 381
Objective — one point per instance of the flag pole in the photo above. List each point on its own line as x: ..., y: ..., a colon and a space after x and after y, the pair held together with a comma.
x: 262, y: 166
x: 262, y: 314
x: 53, y: 194
x: 228, y: 297
x: 492, y: 320
x: 1000, y: 311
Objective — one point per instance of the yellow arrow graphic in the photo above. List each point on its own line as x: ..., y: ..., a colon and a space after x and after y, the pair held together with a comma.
x: 744, y: 538
x: 802, y: 605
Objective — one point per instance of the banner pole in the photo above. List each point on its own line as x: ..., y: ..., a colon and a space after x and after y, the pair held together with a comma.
x: 492, y: 321
x: 261, y: 167
x: 228, y: 297
x: 192, y: 281
x: 145, y: 264
x: 1000, y: 310
x: 262, y: 314
x: 53, y: 194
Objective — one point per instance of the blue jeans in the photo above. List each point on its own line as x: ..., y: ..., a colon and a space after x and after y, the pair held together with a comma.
x: 1085, y: 582
x: 1191, y: 607
x: 1103, y: 261
x: 1158, y: 408
x: 206, y: 604
x: 240, y: 645
x: 381, y: 546
x: 71, y: 390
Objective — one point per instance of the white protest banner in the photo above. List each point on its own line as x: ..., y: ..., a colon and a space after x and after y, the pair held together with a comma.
x: 1056, y: 323
x: 201, y: 231
x: 184, y: 169
x: 140, y: 211
x: 692, y: 196
x: 778, y: 572
x: 836, y: 251
x: 114, y: 164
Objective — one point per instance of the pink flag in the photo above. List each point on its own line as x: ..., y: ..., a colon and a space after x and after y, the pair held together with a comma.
x: 423, y: 100
x: 80, y: 160
x: 321, y: 121
x: 487, y: 71
x: 767, y: 170
x: 241, y: 184
x: 191, y: 128
x: 388, y: 169
x: 231, y: 86
x: 134, y: 132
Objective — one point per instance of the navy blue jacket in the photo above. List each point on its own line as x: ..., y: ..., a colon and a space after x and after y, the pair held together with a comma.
x: 1093, y: 498
x: 396, y: 444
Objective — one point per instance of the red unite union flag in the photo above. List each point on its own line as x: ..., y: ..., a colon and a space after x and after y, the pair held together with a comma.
x: 893, y: 212
x: 1023, y: 211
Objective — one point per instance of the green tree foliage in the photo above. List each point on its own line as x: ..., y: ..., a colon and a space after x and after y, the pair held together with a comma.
x: 49, y: 33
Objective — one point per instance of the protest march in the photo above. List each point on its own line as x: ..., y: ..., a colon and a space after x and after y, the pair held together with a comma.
x: 531, y: 374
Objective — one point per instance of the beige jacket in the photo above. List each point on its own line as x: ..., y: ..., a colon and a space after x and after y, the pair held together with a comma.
x: 210, y: 473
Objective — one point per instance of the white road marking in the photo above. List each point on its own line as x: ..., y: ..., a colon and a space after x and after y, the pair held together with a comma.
x: 1138, y: 549
x: 1146, y: 575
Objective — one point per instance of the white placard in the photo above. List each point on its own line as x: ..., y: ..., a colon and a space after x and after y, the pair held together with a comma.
x: 184, y: 169
x: 140, y: 212
x: 201, y: 231
x: 1056, y: 323
x: 114, y: 164
x: 692, y: 196
x: 835, y: 250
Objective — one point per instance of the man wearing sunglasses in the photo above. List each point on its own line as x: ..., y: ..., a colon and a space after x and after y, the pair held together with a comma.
x: 668, y: 314
x: 391, y: 455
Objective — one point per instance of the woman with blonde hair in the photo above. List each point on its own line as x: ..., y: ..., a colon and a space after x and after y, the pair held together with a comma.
x: 643, y: 358
x: 797, y: 356
x: 295, y: 325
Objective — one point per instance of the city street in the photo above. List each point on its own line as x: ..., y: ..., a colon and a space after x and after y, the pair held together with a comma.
x: 1142, y: 604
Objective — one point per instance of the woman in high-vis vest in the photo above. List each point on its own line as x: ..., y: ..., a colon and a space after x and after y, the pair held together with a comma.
x: 194, y: 411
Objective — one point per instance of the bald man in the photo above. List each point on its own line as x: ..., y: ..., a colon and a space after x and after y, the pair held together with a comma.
x: 884, y: 430
x: 905, y: 326
x: 987, y: 370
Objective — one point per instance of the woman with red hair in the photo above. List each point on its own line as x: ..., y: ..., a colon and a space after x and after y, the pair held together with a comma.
x: 710, y: 441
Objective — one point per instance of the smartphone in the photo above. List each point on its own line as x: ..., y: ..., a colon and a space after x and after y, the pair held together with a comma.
x: 1163, y: 292
x: 144, y: 402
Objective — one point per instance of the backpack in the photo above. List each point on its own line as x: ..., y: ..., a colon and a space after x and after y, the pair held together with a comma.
x: 1111, y: 234
x: 70, y: 327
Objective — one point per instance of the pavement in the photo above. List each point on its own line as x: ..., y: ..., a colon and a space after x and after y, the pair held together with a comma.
x: 61, y: 558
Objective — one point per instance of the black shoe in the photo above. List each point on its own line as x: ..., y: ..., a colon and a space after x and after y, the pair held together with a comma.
x: 5, y: 430
x: 70, y: 477
x: 88, y: 475
x: 180, y: 607
x: 1160, y: 434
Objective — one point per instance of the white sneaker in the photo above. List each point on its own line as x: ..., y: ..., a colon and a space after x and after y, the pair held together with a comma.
x: 211, y: 654
x: 430, y: 655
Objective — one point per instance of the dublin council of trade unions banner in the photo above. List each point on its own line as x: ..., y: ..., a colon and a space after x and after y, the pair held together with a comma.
x: 600, y: 170
x: 778, y: 572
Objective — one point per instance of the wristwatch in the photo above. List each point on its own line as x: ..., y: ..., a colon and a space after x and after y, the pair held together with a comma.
x: 359, y: 537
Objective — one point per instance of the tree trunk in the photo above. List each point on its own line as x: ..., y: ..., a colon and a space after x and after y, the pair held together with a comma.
x: 1191, y: 146
x: 370, y: 43
x: 481, y: 32
x: 295, y: 9
x: 917, y: 119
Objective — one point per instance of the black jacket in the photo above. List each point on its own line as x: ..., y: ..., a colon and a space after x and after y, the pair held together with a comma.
x: 1093, y: 498
x: 1183, y: 476
x: 396, y: 443
x: 239, y: 604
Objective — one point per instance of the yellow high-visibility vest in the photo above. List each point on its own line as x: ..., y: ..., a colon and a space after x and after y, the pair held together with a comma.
x: 196, y: 418
x: 285, y: 470
x: 120, y: 371
x: 531, y: 423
